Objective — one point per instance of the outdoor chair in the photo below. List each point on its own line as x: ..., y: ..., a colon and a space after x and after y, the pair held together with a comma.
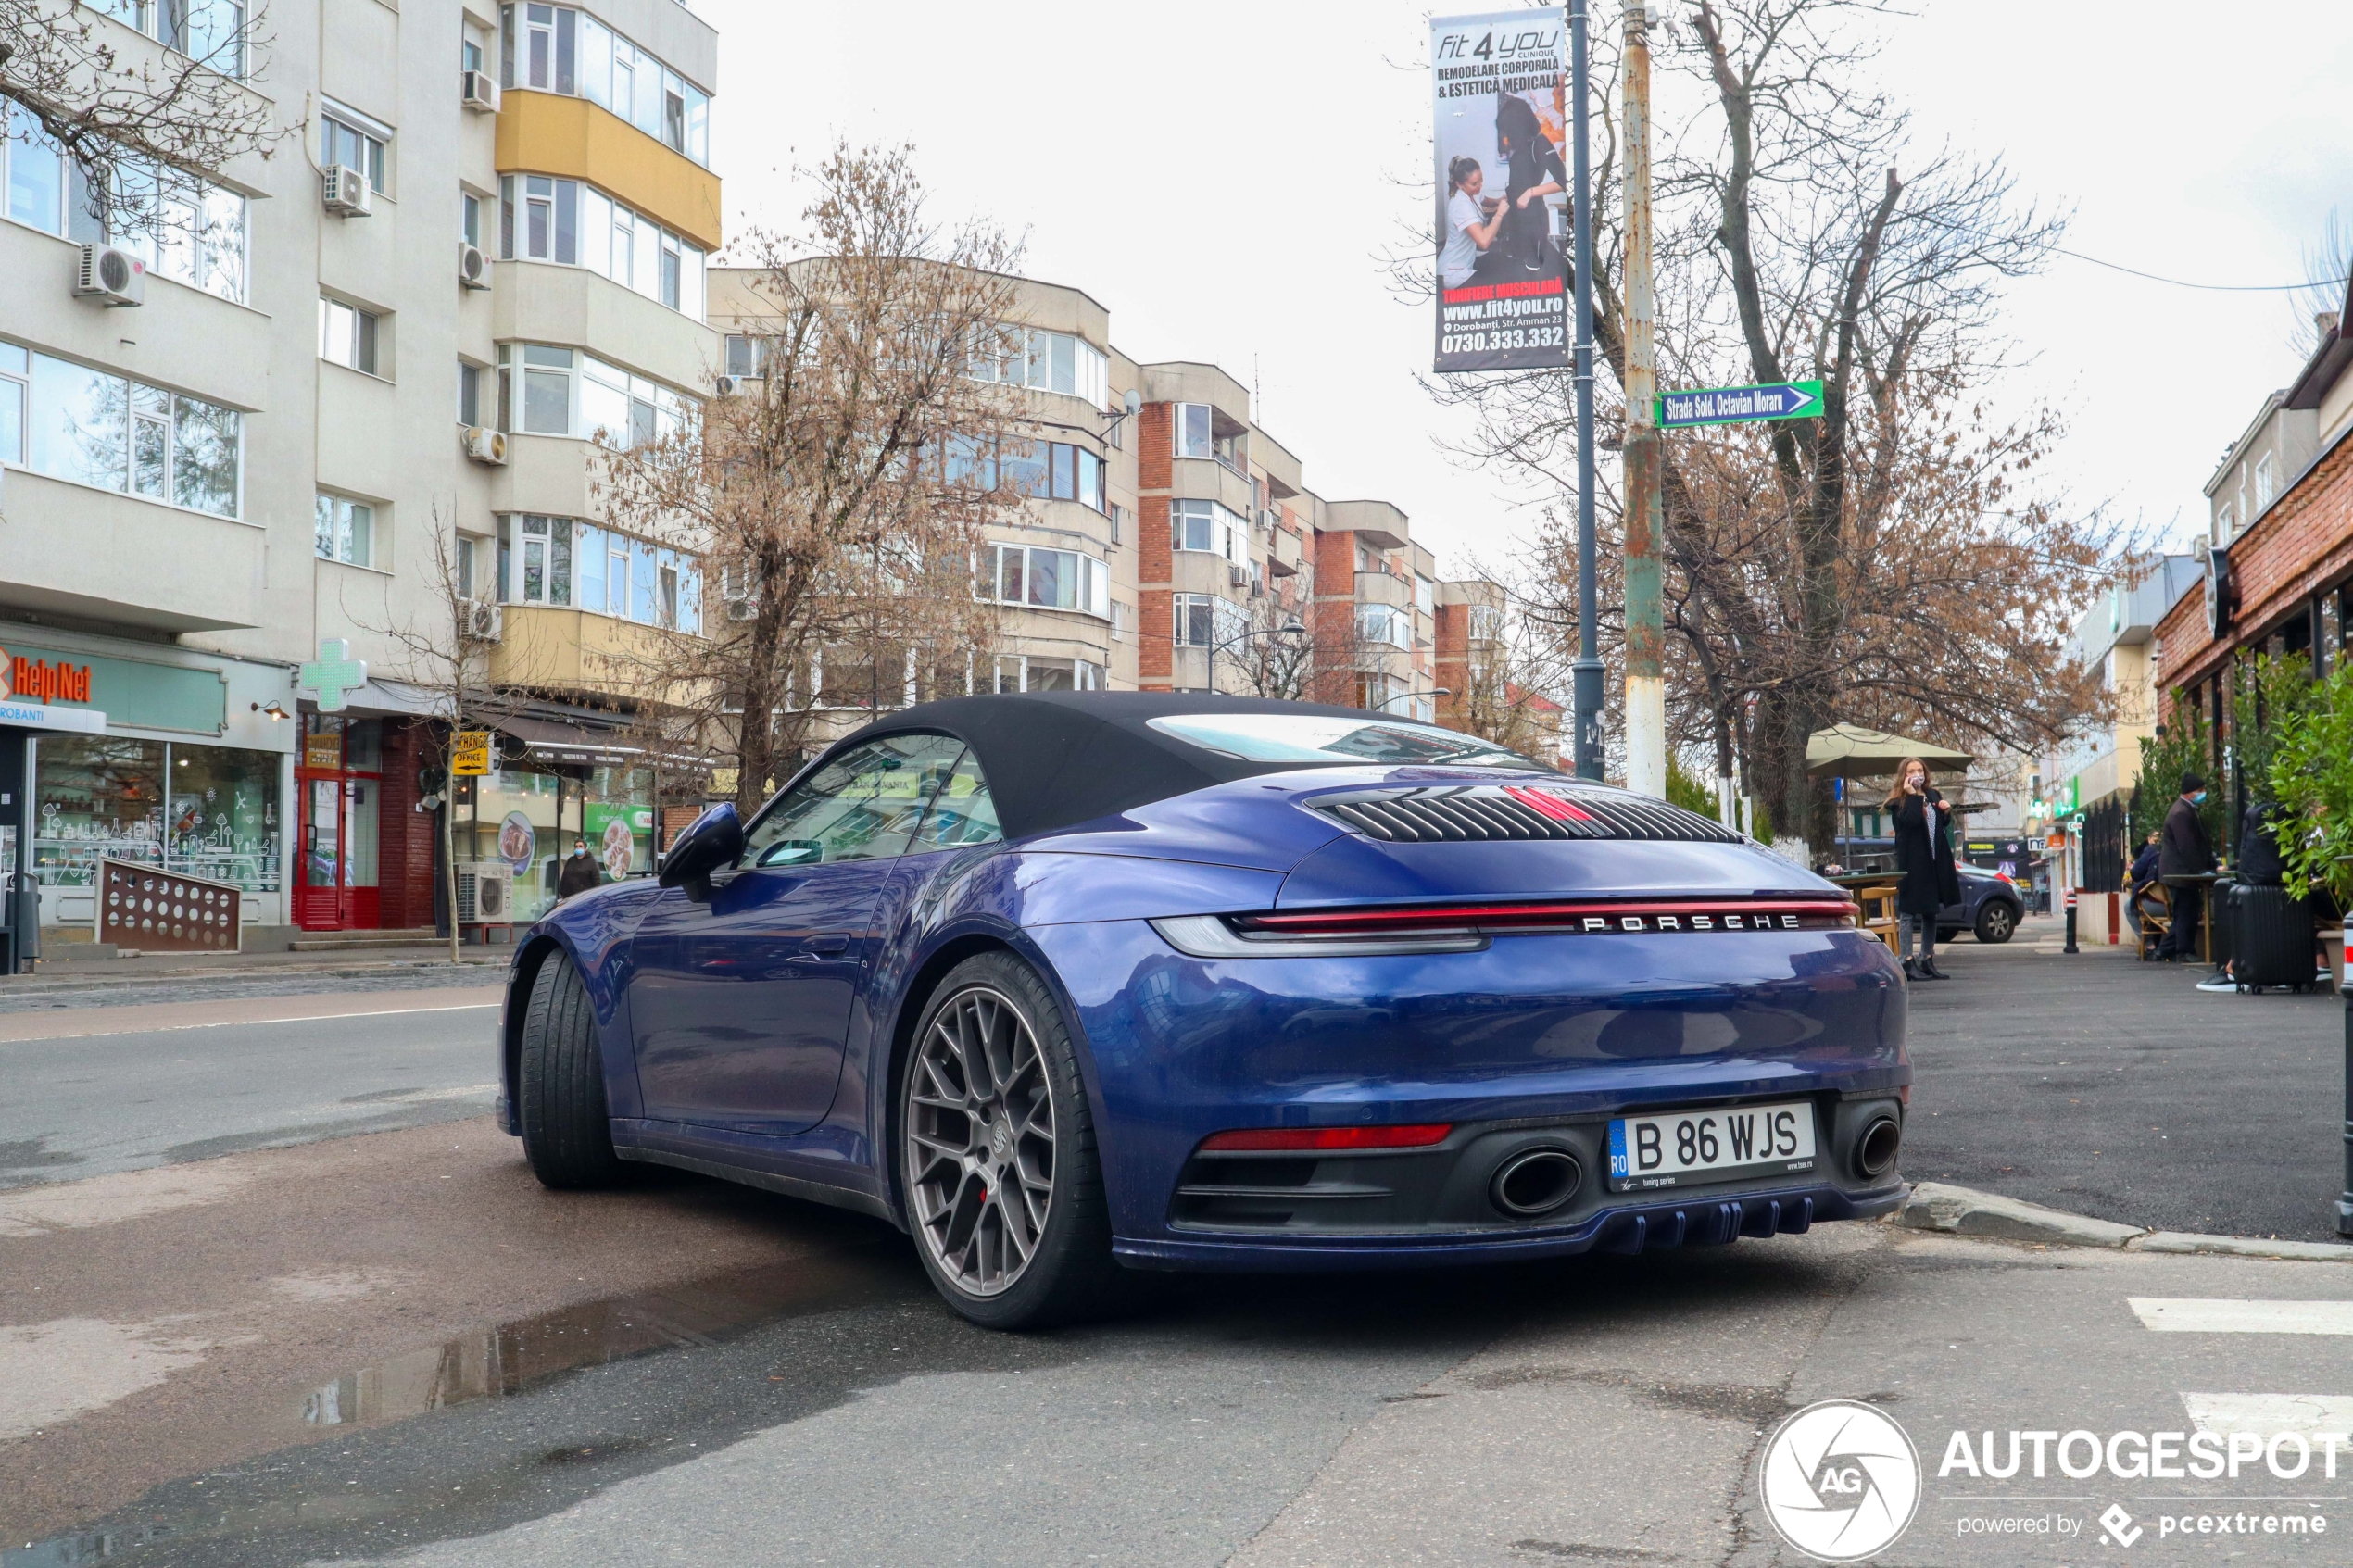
x: 2156, y: 923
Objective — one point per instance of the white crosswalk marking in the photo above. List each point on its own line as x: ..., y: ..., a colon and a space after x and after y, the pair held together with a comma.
x: 2268, y: 1415
x: 2195, y: 1315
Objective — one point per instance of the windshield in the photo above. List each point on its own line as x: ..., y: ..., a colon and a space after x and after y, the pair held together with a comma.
x: 1285, y: 738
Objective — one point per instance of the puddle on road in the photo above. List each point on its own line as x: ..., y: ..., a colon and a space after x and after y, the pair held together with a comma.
x: 498, y: 1360
x: 502, y: 1359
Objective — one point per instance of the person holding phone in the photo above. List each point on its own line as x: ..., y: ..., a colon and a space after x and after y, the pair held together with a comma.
x: 1924, y: 854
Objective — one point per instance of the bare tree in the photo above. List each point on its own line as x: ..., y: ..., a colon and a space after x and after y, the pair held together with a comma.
x: 1803, y: 584
x: 837, y: 499
x: 2328, y: 262
x: 137, y: 121
x: 1506, y: 689
x: 445, y: 651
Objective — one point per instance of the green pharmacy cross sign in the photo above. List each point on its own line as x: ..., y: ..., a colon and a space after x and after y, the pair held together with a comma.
x: 1740, y: 405
x: 334, y: 676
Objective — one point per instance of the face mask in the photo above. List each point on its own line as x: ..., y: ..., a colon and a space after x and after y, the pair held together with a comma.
x: 2198, y: 799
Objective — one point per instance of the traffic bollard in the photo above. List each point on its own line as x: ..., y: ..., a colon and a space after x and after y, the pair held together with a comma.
x: 2070, y: 946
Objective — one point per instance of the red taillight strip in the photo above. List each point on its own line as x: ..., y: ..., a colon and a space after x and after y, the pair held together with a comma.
x: 1412, y: 1135
x: 1501, y: 914
x: 1546, y: 802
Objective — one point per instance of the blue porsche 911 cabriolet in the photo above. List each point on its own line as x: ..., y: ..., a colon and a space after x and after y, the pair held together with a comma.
x: 1070, y: 983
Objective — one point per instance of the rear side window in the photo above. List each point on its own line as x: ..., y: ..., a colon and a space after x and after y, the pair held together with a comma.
x: 961, y: 810
x: 865, y: 805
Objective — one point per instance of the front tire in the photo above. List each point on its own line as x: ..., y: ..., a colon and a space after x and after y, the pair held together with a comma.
x: 559, y: 1084
x: 1996, y: 922
x: 1004, y: 1186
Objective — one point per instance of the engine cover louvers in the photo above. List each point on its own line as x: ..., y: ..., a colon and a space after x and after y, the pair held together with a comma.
x: 1469, y: 813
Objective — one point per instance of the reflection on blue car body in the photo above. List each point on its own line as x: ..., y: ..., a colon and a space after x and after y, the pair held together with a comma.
x: 1071, y: 985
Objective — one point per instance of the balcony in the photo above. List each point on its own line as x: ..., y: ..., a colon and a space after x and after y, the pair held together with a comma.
x: 550, y: 649
x: 98, y: 555
x: 547, y: 133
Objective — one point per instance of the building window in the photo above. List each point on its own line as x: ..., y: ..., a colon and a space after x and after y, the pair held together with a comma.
x: 560, y: 562
x: 347, y: 335
x: 566, y: 393
x: 544, y: 218
x: 1025, y: 574
x: 1047, y: 361
x: 350, y: 140
x: 1211, y: 527
x: 469, y: 218
x: 1118, y: 516
x: 87, y: 427
x: 1425, y: 595
x: 212, y: 32
x: 1191, y: 424
x: 1049, y: 469
x: 2222, y: 525
x: 747, y: 358
x: 469, y: 394
x: 344, y: 530
x: 181, y: 228
x: 1204, y: 621
x: 1028, y: 672
x: 2262, y: 481
x: 1384, y: 624
x: 35, y: 172
x: 557, y: 49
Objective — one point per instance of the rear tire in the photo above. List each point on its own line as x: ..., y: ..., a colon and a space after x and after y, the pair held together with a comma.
x: 559, y: 1084
x: 996, y: 1149
x: 1996, y: 922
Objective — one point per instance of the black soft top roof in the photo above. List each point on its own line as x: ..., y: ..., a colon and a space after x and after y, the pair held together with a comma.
x: 1056, y: 759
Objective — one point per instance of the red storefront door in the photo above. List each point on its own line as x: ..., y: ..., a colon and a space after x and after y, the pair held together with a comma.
x: 335, y: 876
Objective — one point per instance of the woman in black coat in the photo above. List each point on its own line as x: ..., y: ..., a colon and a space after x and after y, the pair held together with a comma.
x: 1924, y: 854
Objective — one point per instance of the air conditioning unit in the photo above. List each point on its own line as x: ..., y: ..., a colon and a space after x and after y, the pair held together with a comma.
x: 116, y: 276
x: 724, y: 386
x: 486, y: 446
x: 1267, y: 517
x: 1235, y: 576
x: 479, y: 91
x: 474, y: 268
x: 743, y: 608
x: 485, y: 893
x: 347, y: 191
x: 485, y: 622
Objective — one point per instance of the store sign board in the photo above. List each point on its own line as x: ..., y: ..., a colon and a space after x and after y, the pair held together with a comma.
x: 132, y: 693
x: 38, y: 716
x: 613, y: 832
x: 470, y: 754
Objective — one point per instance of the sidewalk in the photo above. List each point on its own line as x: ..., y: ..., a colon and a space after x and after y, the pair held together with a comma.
x: 68, y: 977
x: 2120, y: 1090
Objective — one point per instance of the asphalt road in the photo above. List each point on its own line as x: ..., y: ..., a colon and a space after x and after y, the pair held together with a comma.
x: 2100, y: 1085
x: 395, y: 1348
x: 90, y: 1091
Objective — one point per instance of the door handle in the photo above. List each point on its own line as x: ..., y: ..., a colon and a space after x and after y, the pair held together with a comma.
x: 828, y: 943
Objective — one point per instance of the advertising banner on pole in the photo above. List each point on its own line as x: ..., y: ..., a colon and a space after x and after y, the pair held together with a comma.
x: 1500, y: 123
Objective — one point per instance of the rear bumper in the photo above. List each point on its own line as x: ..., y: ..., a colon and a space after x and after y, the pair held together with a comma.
x: 1702, y: 1218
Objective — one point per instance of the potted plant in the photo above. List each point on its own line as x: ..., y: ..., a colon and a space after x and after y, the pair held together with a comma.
x: 2311, y: 782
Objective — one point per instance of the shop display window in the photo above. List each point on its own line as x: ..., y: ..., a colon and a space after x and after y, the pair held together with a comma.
x: 221, y: 815
x: 95, y: 795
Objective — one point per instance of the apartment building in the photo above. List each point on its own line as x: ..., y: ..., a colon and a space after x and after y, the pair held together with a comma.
x: 247, y: 445
x: 1178, y: 546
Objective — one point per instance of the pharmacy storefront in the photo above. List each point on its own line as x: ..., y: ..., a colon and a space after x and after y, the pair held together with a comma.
x: 145, y: 753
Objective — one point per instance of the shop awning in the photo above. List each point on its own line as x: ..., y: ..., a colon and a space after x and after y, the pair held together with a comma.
x: 552, y: 740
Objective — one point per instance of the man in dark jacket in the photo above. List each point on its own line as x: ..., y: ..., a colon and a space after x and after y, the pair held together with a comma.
x: 2183, y: 854
x: 581, y: 871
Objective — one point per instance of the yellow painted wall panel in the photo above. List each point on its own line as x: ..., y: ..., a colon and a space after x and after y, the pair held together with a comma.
x: 547, y: 134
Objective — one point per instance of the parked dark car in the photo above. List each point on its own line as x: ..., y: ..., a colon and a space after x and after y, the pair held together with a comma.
x: 1989, y: 907
x: 1076, y: 983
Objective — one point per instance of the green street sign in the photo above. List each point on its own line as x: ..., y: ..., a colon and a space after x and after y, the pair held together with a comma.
x: 1739, y: 405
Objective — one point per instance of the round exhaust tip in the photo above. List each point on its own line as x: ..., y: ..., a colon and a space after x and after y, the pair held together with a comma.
x: 1875, y: 1151
x: 1536, y: 1181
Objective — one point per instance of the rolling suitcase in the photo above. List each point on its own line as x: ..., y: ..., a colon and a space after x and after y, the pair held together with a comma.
x: 2270, y: 938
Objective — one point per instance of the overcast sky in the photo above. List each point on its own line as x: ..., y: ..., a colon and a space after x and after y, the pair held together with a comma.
x: 1222, y: 177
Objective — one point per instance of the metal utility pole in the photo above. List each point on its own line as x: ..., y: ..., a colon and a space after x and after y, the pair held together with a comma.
x: 1587, y: 672
x: 1645, y: 626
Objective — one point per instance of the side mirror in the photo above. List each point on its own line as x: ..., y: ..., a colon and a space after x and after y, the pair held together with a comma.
x: 714, y: 842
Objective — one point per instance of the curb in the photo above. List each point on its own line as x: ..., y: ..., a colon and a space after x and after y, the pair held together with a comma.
x: 1956, y: 1210
x: 59, y: 985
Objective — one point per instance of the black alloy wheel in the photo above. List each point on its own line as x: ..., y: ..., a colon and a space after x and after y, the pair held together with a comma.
x: 1003, y: 1187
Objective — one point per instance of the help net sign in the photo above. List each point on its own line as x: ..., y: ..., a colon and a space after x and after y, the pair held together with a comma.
x: 1738, y: 405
